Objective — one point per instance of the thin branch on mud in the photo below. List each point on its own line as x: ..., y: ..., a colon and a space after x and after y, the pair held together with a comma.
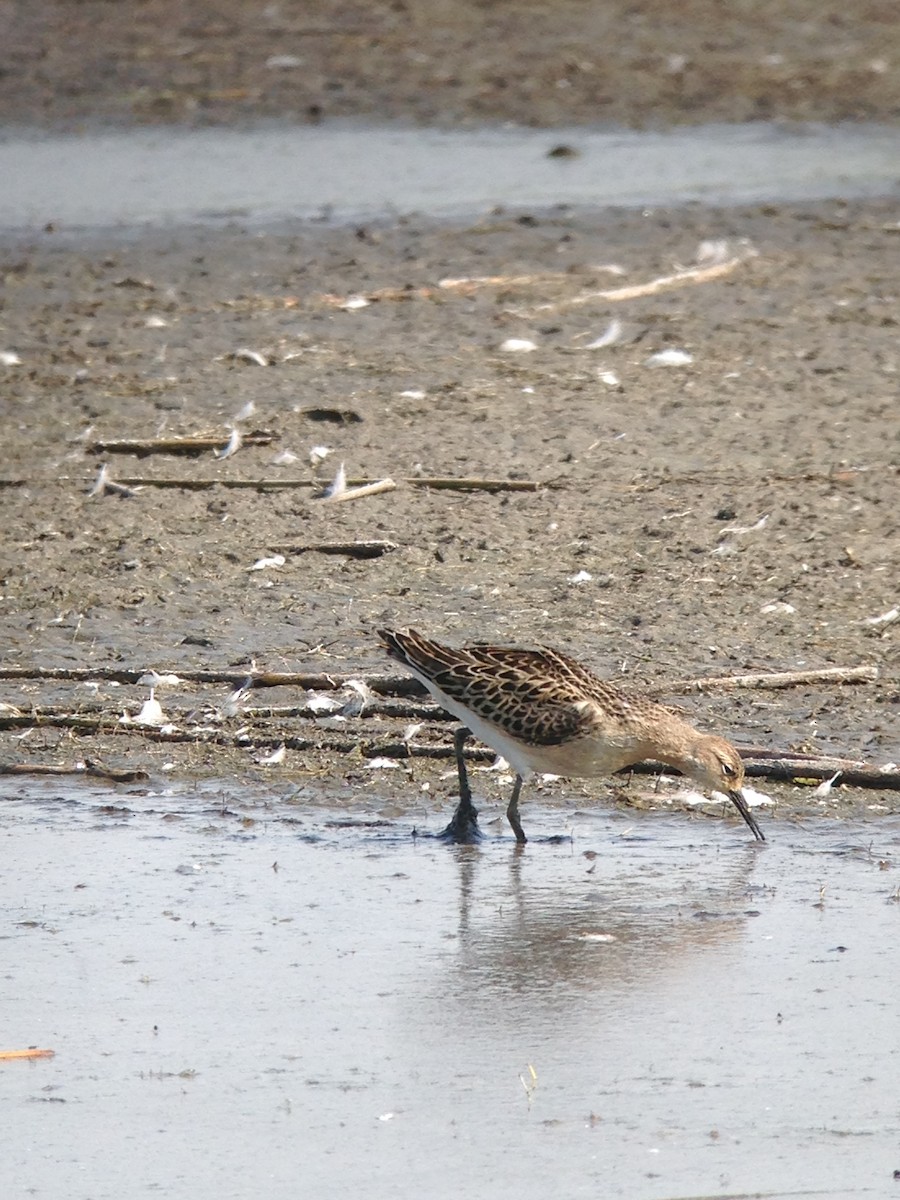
x: 357, y: 493
x: 373, y: 549
x: 402, y: 685
x: 353, y: 739
x: 448, y: 483
x: 778, y: 679
x: 385, y: 685
x: 92, y: 767
x: 664, y: 283
x: 477, y: 485
x: 189, y: 444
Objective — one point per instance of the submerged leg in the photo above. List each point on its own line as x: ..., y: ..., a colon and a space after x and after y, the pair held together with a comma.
x: 463, y: 826
x: 512, y: 812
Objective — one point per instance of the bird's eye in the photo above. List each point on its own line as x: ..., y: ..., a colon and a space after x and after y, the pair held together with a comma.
x: 728, y: 771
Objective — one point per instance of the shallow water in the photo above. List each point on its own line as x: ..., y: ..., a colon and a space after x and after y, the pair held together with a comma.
x: 343, y: 171
x: 251, y: 995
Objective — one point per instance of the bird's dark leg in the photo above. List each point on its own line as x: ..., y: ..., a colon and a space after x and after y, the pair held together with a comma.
x: 463, y: 826
x: 512, y: 812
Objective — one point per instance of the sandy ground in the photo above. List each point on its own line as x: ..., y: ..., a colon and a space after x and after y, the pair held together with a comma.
x: 650, y: 62
x: 735, y: 513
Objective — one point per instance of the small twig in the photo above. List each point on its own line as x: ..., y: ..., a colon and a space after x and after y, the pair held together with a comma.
x: 665, y: 283
x: 778, y: 679
x: 8, y: 1055
x: 357, y: 493
x: 478, y: 485
x: 89, y: 767
x: 373, y: 549
x: 191, y: 444
x: 385, y: 685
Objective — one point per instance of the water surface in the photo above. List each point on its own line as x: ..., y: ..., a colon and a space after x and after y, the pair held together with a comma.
x: 252, y: 996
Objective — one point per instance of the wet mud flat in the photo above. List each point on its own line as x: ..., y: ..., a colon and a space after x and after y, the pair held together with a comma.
x: 648, y: 1008
x: 691, y: 474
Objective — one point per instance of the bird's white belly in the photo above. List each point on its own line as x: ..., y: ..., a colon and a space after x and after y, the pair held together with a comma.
x: 583, y: 756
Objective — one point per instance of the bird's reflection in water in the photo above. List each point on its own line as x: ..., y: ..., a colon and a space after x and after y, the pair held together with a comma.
x: 561, y: 921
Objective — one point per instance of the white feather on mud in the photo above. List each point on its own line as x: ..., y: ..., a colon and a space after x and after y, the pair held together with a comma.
x: 824, y: 788
x: 319, y: 702
x: 253, y: 357
x: 609, y: 337
x: 361, y: 696
x: 275, y: 759
x: 669, y: 358
x: 338, y: 485
x: 886, y: 618
x: 151, y: 714
x: 232, y: 446
x: 264, y: 564
x: 153, y: 679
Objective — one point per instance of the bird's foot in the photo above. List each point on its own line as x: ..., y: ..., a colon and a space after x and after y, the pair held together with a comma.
x: 463, y: 828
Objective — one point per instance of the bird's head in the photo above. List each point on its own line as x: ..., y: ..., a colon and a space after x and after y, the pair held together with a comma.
x: 716, y: 764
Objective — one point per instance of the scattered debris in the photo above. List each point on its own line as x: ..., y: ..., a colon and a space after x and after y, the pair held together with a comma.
x: 200, y: 443
x: 105, y: 485
x: 337, y: 490
x: 778, y: 679
x: 887, y: 618
x: 235, y: 441
x: 669, y: 358
x: 275, y: 759
x: 9, y: 358
x: 263, y: 564
x: 338, y: 416
x: 370, y: 549
x: 253, y: 357
x: 151, y: 714
x: 518, y: 346
x: 609, y: 337
x: 153, y: 679
x: 826, y: 785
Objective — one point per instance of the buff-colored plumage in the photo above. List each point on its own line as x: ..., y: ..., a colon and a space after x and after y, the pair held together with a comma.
x: 546, y: 713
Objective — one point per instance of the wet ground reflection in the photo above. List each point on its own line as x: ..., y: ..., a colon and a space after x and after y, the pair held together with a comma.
x: 256, y: 1000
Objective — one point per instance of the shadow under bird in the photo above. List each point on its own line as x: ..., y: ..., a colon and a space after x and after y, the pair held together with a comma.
x: 547, y: 714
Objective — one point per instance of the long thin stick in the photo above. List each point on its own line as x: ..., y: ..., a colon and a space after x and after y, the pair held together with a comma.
x: 778, y: 679
x: 357, y: 493
x: 372, y: 549
x: 665, y: 283
x: 190, y: 444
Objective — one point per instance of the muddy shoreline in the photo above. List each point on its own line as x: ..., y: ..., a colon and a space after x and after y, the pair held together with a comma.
x: 732, y: 511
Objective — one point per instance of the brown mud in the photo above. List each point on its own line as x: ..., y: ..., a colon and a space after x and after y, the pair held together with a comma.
x: 736, y: 513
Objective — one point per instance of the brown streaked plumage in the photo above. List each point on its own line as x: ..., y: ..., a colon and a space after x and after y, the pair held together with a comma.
x: 546, y: 713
